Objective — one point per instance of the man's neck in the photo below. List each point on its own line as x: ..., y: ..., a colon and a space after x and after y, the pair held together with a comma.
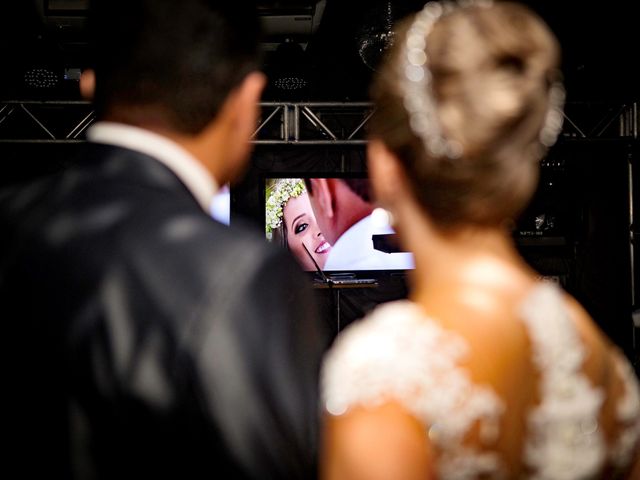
x: 164, y: 149
x: 352, y: 213
x: 155, y: 121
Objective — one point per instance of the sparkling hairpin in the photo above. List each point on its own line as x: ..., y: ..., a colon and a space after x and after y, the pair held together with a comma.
x: 282, y: 192
x: 418, y: 97
x: 555, y: 115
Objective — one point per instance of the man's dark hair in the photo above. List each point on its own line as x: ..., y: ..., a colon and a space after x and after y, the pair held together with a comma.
x: 172, y: 61
x: 359, y: 186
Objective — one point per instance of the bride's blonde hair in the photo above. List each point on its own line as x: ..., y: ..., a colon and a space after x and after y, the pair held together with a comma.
x: 491, y: 71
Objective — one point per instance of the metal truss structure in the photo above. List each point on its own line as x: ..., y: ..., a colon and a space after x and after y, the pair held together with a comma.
x: 317, y: 124
x: 313, y: 123
x: 287, y: 123
x: 35, y: 121
x: 600, y: 120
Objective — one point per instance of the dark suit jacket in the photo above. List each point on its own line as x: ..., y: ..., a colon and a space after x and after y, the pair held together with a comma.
x: 145, y: 339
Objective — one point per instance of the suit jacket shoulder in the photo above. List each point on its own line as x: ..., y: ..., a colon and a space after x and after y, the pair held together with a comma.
x: 169, y: 343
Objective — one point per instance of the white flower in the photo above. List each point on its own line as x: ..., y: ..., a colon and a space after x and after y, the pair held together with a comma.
x: 281, y: 192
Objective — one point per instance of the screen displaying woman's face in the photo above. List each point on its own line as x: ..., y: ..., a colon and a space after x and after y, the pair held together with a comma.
x: 302, y: 228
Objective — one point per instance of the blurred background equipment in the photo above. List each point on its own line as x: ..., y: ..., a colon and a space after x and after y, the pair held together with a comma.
x: 320, y: 50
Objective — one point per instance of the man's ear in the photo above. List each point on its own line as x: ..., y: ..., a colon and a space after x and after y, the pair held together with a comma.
x: 234, y: 125
x: 323, y: 194
x: 386, y: 174
x: 87, y: 84
x: 245, y: 102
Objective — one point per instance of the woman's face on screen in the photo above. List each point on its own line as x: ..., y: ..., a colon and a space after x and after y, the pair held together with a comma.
x: 302, y: 228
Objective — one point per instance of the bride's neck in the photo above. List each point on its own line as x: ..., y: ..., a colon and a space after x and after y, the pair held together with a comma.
x: 468, y: 255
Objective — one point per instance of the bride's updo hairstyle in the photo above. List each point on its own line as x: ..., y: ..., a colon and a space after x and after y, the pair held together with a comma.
x: 469, y: 98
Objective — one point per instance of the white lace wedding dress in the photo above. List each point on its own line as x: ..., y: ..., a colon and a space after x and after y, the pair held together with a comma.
x: 398, y: 354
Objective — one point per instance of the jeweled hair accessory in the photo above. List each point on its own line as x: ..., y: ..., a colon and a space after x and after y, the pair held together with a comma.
x: 283, y: 190
x: 416, y: 84
x: 555, y: 115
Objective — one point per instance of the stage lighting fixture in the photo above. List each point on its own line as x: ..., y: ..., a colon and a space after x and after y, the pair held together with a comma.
x: 50, y: 82
x: 289, y: 70
x: 41, y: 78
x: 290, y: 83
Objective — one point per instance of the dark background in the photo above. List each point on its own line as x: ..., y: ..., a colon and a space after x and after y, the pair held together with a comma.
x: 599, y: 42
x: 585, y: 185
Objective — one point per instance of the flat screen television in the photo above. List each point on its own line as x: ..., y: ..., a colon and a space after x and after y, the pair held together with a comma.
x: 329, y: 223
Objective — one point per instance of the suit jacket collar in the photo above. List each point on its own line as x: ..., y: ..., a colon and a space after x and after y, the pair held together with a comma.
x: 192, y: 174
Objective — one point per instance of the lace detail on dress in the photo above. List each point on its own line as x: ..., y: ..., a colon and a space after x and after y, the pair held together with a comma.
x: 627, y: 414
x: 564, y: 441
x: 398, y: 354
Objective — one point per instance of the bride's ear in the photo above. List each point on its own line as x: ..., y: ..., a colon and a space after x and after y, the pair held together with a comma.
x: 386, y: 173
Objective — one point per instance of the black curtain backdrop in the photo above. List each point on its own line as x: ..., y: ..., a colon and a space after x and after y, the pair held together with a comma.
x: 584, y: 188
x: 583, y: 195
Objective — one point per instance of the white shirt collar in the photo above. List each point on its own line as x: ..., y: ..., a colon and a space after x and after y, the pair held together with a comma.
x: 188, y: 169
x: 354, y: 250
x: 343, y: 253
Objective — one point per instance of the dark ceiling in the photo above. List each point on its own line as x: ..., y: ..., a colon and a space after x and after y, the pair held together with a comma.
x: 600, y: 42
x: 600, y: 45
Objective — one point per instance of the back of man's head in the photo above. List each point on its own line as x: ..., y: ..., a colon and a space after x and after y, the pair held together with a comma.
x: 361, y: 187
x: 171, y: 62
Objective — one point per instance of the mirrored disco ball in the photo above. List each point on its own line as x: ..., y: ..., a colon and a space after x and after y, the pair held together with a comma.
x: 372, y: 47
